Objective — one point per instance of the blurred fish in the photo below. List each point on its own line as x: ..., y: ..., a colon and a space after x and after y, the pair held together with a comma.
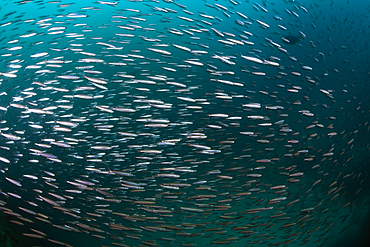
x: 291, y: 39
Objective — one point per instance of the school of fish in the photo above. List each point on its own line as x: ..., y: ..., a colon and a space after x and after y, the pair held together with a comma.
x: 177, y: 123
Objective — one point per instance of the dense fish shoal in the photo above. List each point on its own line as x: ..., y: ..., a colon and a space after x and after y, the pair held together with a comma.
x: 182, y: 123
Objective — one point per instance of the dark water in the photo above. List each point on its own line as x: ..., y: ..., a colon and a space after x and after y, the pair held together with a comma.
x: 185, y: 123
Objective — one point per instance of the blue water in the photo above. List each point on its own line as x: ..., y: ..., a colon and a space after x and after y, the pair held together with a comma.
x: 291, y: 172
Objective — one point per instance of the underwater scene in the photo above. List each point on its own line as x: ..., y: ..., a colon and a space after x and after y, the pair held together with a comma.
x: 184, y: 123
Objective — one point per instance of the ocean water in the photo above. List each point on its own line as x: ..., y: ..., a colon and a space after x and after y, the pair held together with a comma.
x: 185, y: 123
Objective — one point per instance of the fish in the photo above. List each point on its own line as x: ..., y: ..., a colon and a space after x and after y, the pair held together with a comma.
x: 184, y: 123
x: 291, y: 39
